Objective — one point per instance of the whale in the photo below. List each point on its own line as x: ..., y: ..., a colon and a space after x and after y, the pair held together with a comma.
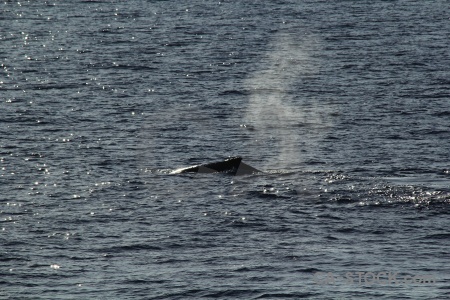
x: 232, y: 166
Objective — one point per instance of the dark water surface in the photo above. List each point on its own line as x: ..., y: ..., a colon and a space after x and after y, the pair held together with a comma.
x: 345, y: 104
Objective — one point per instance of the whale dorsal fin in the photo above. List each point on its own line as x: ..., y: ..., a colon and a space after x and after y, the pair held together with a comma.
x: 245, y: 169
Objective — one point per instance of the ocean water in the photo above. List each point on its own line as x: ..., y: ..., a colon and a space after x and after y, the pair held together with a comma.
x: 345, y: 106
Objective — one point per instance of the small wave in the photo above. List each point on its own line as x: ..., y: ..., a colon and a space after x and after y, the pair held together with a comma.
x: 234, y: 92
x: 346, y: 230
x: 128, y: 248
x: 438, y: 236
x: 285, y: 295
x: 442, y: 113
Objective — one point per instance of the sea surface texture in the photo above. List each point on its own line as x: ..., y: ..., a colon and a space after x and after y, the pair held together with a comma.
x: 344, y: 106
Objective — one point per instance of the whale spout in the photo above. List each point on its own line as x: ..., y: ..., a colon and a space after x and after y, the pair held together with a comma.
x: 233, y: 166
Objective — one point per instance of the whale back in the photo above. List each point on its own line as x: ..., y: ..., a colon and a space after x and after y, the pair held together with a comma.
x: 232, y: 165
